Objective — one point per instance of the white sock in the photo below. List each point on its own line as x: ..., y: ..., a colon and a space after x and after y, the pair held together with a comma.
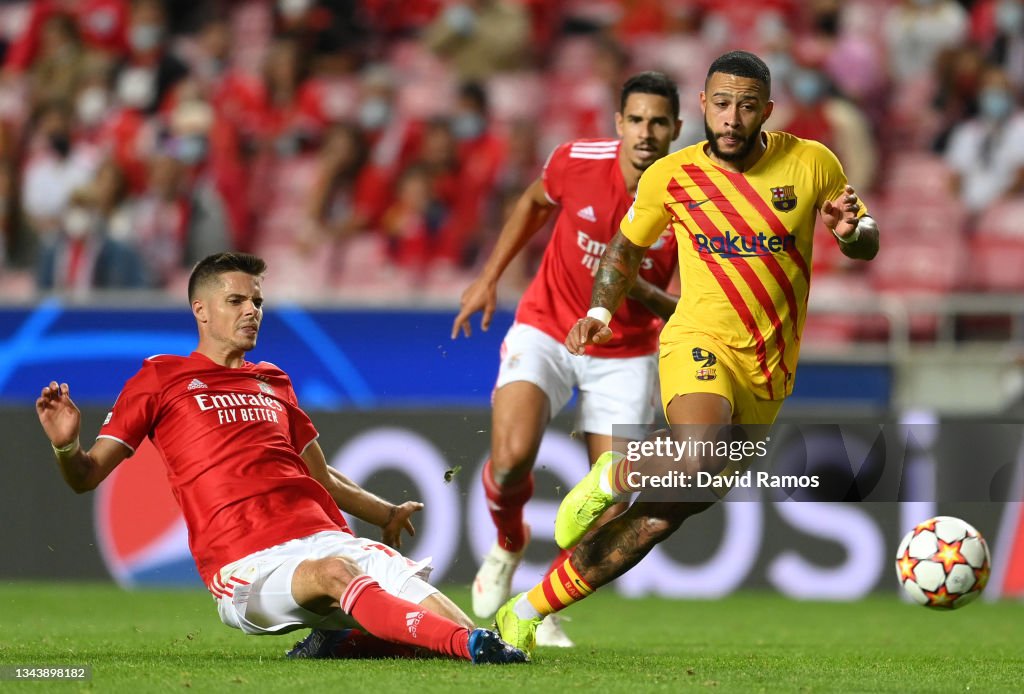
x: 524, y: 609
x: 604, y: 480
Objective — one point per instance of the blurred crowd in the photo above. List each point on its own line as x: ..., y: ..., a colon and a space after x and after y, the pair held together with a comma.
x: 372, y: 148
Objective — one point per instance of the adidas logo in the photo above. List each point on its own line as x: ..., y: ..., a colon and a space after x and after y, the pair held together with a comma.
x: 412, y: 620
x: 196, y: 383
x: 587, y: 213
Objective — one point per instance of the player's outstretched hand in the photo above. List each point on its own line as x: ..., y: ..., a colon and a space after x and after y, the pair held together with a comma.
x: 400, y: 519
x: 586, y: 331
x: 482, y: 295
x: 60, y: 418
x: 840, y: 215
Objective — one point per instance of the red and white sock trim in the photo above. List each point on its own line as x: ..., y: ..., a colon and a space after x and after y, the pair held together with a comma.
x: 354, y: 590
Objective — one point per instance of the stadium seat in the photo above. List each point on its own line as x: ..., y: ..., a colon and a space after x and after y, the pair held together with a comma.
x: 921, y: 268
x: 292, y: 275
x: 911, y: 126
x: 911, y: 177
x: 918, y: 264
x: 915, y: 215
x: 997, y: 248
x: 997, y: 263
x: 1002, y: 219
x: 516, y: 96
x: 825, y: 327
x: 293, y: 178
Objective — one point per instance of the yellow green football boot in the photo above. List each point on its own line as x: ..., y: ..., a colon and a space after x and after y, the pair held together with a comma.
x: 584, y: 503
x: 514, y: 630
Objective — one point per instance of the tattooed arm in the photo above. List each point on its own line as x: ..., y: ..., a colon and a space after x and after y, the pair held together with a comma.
x: 658, y: 301
x: 615, y: 275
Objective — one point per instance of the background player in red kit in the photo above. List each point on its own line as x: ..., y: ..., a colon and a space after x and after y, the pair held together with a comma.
x: 260, y: 502
x: 594, y: 182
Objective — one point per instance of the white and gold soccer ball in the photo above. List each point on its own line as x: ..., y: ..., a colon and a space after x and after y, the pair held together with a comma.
x: 943, y: 563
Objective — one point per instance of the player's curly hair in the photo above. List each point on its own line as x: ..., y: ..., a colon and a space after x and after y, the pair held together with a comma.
x: 742, y: 64
x: 217, y: 264
x: 650, y: 82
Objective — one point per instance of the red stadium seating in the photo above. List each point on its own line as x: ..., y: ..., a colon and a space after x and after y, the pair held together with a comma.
x: 997, y: 248
x: 825, y: 327
x: 997, y: 263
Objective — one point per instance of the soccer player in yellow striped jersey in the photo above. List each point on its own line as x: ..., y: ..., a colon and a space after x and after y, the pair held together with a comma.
x: 743, y: 206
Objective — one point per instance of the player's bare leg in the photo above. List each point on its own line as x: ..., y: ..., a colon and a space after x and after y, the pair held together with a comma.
x: 521, y: 412
x: 441, y: 604
x: 620, y: 544
x: 551, y: 632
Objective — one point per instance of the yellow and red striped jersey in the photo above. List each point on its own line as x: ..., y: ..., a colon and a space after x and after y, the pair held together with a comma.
x: 745, y: 242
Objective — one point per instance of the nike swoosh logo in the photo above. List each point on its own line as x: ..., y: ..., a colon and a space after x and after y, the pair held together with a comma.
x: 692, y: 205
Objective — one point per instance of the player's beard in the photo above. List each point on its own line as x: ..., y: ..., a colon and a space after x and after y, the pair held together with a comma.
x: 740, y: 154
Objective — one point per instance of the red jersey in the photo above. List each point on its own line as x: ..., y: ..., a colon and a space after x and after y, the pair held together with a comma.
x: 583, y: 177
x: 231, y: 440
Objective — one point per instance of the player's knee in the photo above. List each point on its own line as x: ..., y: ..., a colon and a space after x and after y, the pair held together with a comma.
x: 336, y: 573
x: 655, y: 527
x: 654, y: 530
x: 512, y: 460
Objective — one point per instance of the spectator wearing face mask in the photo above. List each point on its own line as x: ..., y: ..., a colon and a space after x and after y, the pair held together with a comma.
x: 986, y: 153
x: 150, y: 70
x: 480, y: 37
x: 393, y: 137
x: 57, y: 166
x: 480, y: 153
x: 83, y: 255
x: 93, y: 102
x: 212, y: 176
x: 816, y: 111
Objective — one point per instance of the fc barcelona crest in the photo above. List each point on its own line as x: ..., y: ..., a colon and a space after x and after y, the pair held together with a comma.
x: 784, y: 198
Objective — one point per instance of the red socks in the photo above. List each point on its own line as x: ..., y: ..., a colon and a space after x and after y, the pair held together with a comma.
x: 505, y: 504
x: 393, y: 619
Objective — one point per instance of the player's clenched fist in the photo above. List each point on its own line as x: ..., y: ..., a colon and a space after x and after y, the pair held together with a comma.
x: 587, y: 331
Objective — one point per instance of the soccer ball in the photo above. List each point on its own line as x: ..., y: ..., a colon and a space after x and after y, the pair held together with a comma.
x: 943, y: 563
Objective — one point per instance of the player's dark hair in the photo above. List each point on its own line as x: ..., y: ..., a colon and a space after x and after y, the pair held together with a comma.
x: 657, y: 83
x: 741, y: 64
x: 213, y: 266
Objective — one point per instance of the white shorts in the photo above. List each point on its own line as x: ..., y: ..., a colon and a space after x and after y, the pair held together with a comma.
x: 613, y: 391
x: 254, y: 594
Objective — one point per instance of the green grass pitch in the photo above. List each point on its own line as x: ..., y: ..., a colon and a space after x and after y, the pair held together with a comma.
x: 750, y: 642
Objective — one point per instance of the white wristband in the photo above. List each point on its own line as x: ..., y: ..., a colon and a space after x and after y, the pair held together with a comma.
x: 852, y: 238
x: 68, y: 448
x: 600, y: 313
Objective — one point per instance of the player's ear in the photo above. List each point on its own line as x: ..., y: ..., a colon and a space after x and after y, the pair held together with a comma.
x: 199, y: 310
x: 703, y: 103
x: 679, y: 126
x: 618, y: 123
x: 768, y: 108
